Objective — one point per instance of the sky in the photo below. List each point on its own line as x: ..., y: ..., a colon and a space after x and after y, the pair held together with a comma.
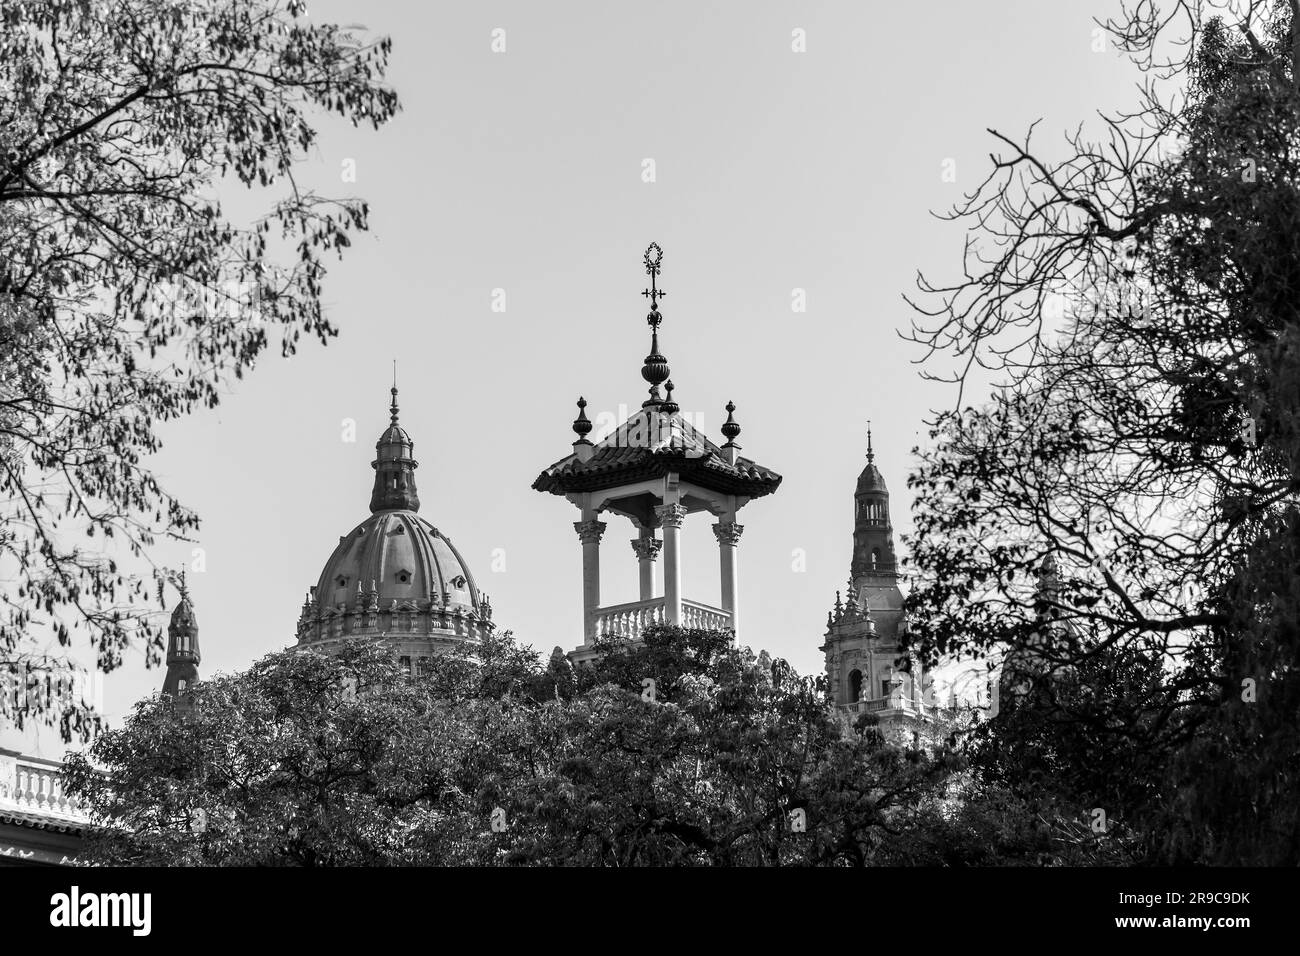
x: 520, y: 176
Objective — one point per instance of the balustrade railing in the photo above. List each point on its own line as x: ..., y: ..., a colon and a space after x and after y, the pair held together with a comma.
x: 899, y: 701
x: 628, y: 621
x: 36, y: 786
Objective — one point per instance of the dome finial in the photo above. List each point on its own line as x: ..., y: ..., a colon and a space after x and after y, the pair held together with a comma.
x: 582, y: 424
x: 731, y: 428
x: 871, y: 455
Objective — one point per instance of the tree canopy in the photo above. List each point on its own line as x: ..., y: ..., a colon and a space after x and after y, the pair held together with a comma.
x: 1138, y: 300
x: 128, y: 296
x: 491, y: 758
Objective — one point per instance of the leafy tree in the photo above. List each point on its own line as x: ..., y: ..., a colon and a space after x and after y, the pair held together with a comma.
x: 1146, y: 436
x: 128, y: 296
x: 491, y: 759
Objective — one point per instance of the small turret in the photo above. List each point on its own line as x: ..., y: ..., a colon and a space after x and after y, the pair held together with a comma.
x: 182, y: 646
x: 394, y: 466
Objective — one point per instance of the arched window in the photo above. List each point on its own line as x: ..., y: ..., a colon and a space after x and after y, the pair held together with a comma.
x: 855, y: 686
x: 180, y: 687
x: 875, y: 558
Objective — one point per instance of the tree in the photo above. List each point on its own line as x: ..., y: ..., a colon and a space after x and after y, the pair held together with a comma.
x: 491, y: 759
x: 1147, y: 437
x: 127, y: 296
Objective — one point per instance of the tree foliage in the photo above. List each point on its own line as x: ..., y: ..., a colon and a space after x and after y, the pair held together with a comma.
x: 1146, y: 435
x: 128, y: 296
x: 315, y: 760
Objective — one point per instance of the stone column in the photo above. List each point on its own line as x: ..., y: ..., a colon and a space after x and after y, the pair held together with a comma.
x: 728, y: 534
x: 647, y: 549
x: 589, y: 533
x: 671, y: 518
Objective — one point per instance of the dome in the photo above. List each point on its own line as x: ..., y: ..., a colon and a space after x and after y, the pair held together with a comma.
x: 395, y: 576
x: 398, y: 557
x: 871, y: 480
x: 394, y: 443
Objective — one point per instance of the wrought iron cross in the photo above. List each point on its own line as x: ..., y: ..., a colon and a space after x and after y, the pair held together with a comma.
x: 653, y: 256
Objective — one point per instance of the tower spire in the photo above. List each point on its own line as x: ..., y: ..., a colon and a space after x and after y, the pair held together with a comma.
x: 871, y: 455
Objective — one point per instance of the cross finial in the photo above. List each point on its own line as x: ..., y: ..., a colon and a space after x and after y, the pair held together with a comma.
x: 653, y: 257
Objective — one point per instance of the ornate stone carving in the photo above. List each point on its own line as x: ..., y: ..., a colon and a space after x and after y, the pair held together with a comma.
x: 728, y: 532
x: 670, y: 516
x: 647, y: 549
x: 589, y: 532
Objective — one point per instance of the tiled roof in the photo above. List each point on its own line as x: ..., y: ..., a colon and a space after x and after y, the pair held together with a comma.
x: 651, y: 444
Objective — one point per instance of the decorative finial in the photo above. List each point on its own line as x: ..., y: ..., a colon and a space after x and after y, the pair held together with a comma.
x: 669, y: 407
x: 655, y: 370
x: 581, y: 424
x: 184, y: 588
x: 392, y: 408
x: 871, y: 455
x: 730, y: 428
x: 653, y: 257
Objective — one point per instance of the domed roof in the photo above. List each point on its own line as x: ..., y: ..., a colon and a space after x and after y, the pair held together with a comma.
x: 395, y: 574
x: 871, y: 480
x: 392, y: 440
x: 396, y: 556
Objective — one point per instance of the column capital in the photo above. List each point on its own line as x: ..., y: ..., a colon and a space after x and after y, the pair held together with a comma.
x: 647, y: 549
x: 670, y: 516
x: 728, y: 532
x: 589, y: 532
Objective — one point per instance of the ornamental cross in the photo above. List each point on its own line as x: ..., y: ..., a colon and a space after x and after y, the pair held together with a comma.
x: 653, y: 256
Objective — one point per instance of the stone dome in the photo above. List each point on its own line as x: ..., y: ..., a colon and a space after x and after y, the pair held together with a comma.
x: 395, y: 576
x: 397, y: 556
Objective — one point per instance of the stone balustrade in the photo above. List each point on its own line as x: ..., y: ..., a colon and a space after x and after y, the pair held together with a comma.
x: 33, y: 785
x: 896, y: 701
x: 695, y: 614
x: 628, y: 621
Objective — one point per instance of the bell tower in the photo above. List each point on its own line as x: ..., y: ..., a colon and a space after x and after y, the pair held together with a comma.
x: 873, y: 534
x: 867, y: 669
